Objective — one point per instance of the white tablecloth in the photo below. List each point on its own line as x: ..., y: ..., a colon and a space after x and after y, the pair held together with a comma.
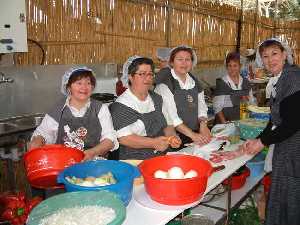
x: 137, y: 214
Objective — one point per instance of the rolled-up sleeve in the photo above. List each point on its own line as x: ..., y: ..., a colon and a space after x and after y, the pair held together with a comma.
x: 220, y: 102
x: 108, y: 131
x: 202, y: 107
x: 47, y: 129
x: 169, y: 105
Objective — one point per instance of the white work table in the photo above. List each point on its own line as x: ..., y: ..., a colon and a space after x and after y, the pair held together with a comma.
x: 157, y: 214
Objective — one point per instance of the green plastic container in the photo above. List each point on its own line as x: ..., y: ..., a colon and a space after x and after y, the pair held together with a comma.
x: 72, y: 199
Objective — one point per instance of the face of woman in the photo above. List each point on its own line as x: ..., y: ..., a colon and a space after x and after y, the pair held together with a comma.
x: 182, y: 63
x: 81, y: 89
x: 273, y: 59
x: 143, y: 78
x: 233, y: 68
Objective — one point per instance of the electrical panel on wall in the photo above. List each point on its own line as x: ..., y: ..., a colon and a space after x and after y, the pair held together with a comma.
x: 13, y: 34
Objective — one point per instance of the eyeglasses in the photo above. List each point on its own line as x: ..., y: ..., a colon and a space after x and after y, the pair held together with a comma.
x: 144, y: 74
x: 183, y: 59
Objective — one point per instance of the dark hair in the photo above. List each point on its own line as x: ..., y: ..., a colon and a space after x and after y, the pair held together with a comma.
x: 79, y: 74
x: 269, y: 43
x: 134, y: 66
x: 179, y: 49
x: 232, y: 56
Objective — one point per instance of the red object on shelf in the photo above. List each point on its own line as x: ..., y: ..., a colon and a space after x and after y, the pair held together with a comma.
x: 266, y: 181
x: 43, y: 164
x: 120, y: 88
x: 239, y: 180
x: 175, y: 191
x: 16, y: 207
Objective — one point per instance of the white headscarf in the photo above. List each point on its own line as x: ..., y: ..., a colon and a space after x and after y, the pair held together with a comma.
x: 125, y: 74
x: 284, y: 44
x: 67, y: 75
x: 195, y: 59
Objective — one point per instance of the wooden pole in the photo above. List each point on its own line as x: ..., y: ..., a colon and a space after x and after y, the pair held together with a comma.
x: 255, y: 26
x: 168, y: 25
x: 239, y: 28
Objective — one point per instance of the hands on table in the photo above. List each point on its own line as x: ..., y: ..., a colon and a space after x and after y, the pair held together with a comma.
x: 252, y: 146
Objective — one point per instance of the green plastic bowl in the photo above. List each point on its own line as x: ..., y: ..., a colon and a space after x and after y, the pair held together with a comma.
x: 72, y: 199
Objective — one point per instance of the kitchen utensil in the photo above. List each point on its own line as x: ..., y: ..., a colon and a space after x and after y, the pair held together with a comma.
x: 72, y: 199
x: 175, y: 191
x: 124, y: 174
x: 43, y: 164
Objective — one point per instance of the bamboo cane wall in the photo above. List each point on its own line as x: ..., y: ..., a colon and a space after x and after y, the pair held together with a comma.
x: 100, y: 31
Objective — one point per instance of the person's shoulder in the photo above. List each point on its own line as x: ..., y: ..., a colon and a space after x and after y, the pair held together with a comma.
x: 163, y: 75
x: 154, y: 95
x: 295, y: 69
x: 220, y: 81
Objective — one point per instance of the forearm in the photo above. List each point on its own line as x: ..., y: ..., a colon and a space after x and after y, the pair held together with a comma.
x: 103, y: 147
x: 169, y: 131
x: 182, y: 128
x: 36, y: 141
x: 136, y: 141
x: 220, y: 117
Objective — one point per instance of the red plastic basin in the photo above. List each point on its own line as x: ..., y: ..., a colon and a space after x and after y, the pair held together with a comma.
x: 42, y: 165
x: 238, y: 181
x: 175, y: 191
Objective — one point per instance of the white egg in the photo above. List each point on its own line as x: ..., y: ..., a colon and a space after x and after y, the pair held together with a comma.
x: 191, y: 174
x: 175, y: 173
x: 161, y: 174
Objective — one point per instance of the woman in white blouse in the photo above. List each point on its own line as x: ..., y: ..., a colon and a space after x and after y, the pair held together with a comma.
x: 229, y: 90
x: 78, y: 121
x: 183, y: 97
x: 137, y: 114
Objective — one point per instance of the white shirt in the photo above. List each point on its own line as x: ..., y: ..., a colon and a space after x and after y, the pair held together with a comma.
x: 146, y: 106
x: 169, y: 106
x: 48, y: 129
x: 223, y: 101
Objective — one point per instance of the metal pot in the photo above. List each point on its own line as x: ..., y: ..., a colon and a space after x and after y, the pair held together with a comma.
x: 104, y: 97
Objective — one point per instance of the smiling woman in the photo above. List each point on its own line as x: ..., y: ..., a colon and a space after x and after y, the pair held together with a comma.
x: 137, y: 114
x: 183, y: 97
x: 282, y: 133
x: 78, y: 121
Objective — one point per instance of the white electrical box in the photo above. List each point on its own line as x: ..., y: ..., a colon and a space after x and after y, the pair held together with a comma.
x: 13, y: 33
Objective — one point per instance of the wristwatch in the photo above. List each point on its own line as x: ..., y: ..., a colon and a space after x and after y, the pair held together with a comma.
x: 203, y: 119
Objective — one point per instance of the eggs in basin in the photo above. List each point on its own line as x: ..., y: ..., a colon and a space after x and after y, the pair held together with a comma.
x: 175, y: 173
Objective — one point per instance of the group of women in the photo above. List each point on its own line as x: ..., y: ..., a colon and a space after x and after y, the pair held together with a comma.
x: 143, y: 123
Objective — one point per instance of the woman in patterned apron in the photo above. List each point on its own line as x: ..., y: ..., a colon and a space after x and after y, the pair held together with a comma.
x: 229, y: 90
x: 283, y: 130
x: 183, y: 97
x: 78, y: 121
x: 137, y: 114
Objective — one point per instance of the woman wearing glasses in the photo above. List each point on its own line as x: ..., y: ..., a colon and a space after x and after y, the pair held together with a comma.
x: 137, y: 114
x: 183, y: 97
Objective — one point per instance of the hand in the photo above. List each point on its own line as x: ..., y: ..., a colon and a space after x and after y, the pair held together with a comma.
x: 89, y: 154
x: 174, y: 141
x: 160, y: 143
x: 252, y: 146
x: 36, y: 142
x: 200, y: 139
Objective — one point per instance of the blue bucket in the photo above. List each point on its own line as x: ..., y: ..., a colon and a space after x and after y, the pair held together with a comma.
x: 123, y: 172
x: 256, y: 165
